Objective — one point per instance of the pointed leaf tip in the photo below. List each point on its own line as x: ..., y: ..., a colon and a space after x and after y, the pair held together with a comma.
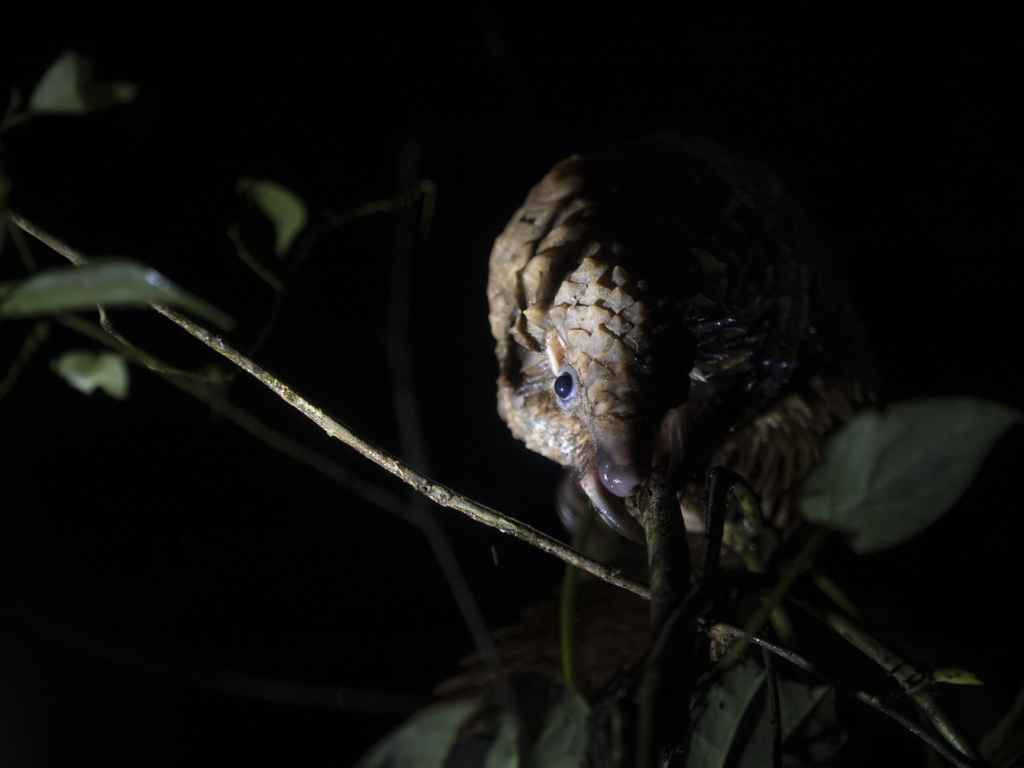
x: 285, y: 209
x: 111, y: 282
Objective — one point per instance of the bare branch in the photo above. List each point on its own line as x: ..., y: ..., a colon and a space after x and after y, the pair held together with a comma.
x: 441, y: 494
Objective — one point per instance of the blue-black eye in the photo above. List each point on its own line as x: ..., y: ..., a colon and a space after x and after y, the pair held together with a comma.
x: 565, y: 386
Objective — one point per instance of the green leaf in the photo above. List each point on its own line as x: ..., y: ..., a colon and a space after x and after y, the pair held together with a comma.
x: 725, y: 703
x: 796, y: 702
x: 1004, y: 744
x: 888, y: 475
x: 424, y: 740
x: 112, y: 282
x: 563, y: 736
x: 283, y: 207
x: 483, y: 732
x: 67, y: 88
x: 86, y: 370
x: 955, y: 676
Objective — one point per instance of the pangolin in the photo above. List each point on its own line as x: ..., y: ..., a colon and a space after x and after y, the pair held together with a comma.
x: 665, y: 303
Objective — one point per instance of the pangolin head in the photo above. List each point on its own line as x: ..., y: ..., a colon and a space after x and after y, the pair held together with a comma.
x: 576, y: 343
x: 628, y: 273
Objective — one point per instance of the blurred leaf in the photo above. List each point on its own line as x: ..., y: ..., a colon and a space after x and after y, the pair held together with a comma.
x: 1004, y: 744
x: 888, y: 475
x: 822, y: 736
x: 956, y: 676
x: 424, y: 740
x: 484, y: 732
x: 112, y: 282
x: 67, y: 88
x: 725, y: 703
x: 796, y: 702
x: 563, y: 737
x: 283, y: 207
x: 86, y: 370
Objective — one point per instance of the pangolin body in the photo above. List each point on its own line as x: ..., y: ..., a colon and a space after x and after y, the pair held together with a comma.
x: 665, y: 303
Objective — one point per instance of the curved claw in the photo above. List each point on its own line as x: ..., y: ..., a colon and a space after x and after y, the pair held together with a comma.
x: 611, y: 508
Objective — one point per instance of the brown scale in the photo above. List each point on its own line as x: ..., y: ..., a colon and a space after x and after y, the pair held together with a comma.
x: 679, y: 299
x: 664, y: 303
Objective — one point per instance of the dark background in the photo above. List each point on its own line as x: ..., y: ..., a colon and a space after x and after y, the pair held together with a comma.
x: 147, y: 545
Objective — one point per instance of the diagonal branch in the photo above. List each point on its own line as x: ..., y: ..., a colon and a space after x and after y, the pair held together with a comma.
x: 441, y: 494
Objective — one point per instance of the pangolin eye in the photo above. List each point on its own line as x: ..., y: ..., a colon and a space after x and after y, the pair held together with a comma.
x: 565, y: 386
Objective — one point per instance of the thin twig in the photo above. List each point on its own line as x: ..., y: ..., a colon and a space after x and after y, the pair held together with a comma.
x: 33, y: 341
x: 331, y: 469
x: 773, y: 705
x: 441, y: 494
x: 719, y: 483
x: 69, y: 253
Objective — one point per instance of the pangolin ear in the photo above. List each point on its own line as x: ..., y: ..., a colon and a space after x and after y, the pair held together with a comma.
x: 555, y: 351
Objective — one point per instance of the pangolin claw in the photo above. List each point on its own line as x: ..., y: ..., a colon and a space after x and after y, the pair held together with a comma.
x: 611, y: 508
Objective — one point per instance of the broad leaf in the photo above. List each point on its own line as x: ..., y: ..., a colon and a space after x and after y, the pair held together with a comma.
x: 283, y: 207
x: 484, y: 733
x: 67, y: 88
x: 424, y: 740
x: 725, y: 703
x: 563, y: 736
x: 796, y: 702
x: 86, y: 371
x: 112, y: 282
x: 1004, y: 744
x: 888, y: 475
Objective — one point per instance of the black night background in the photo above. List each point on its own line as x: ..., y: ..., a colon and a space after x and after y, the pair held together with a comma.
x: 148, y: 546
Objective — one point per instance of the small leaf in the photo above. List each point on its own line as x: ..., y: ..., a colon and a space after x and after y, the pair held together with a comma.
x: 112, y: 282
x: 956, y: 676
x: 1004, y: 744
x: 67, y: 88
x: 725, y: 703
x: 86, y: 370
x: 283, y: 207
x: 888, y: 475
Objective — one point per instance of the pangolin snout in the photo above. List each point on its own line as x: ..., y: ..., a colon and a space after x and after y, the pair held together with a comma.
x: 618, y: 469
